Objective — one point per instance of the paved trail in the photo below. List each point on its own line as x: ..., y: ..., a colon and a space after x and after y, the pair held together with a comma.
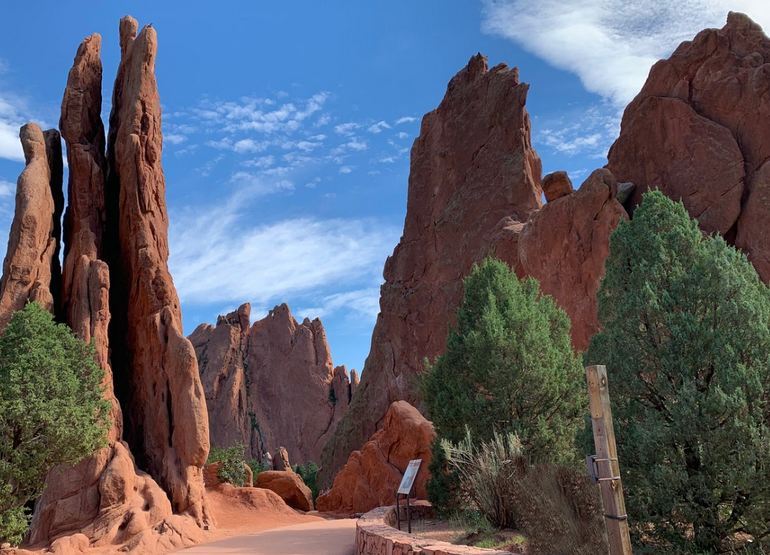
x: 327, y: 537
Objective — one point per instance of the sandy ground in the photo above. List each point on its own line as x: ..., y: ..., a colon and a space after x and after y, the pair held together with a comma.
x: 321, y: 537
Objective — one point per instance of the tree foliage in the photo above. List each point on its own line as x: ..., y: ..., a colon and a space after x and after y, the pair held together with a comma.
x: 508, y: 367
x: 52, y: 408
x: 686, y: 341
x: 232, y: 461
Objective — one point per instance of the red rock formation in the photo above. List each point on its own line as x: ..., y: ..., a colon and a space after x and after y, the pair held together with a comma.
x: 105, y: 496
x: 289, y: 486
x: 270, y: 385
x: 155, y: 367
x: 697, y: 131
x: 564, y: 245
x: 371, y: 476
x: 472, y: 165
x: 556, y: 185
x: 31, y: 269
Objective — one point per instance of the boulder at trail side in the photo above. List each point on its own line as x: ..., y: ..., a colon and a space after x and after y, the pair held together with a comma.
x: 289, y: 486
x: 371, y: 475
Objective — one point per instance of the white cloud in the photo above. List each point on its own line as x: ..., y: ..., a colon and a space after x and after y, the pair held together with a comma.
x: 346, y: 169
x: 405, y: 119
x: 174, y: 138
x: 610, y: 44
x: 219, y: 256
x: 365, y: 302
x: 378, y: 127
x: 346, y: 128
x: 589, y: 132
x: 252, y: 185
x: 402, y: 135
x: 7, y: 189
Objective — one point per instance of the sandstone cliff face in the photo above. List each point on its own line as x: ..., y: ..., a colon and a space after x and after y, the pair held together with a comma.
x: 31, y: 269
x: 155, y: 366
x: 272, y: 384
x: 371, y: 476
x: 697, y: 131
x: 472, y: 165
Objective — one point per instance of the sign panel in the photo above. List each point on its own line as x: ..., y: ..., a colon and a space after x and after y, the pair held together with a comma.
x: 408, y: 480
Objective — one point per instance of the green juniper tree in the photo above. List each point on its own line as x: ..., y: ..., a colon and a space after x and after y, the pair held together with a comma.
x: 509, y: 367
x: 52, y: 409
x: 686, y: 340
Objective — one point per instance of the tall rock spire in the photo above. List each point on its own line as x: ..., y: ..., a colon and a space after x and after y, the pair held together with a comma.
x: 156, y: 372
x: 472, y: 165
x: 31, y: 269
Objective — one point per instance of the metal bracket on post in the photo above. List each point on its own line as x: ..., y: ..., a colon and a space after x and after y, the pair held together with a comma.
x: 603, y: 468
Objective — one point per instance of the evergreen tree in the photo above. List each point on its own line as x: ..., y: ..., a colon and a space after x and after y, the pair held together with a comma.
x: 52, y: 409
x: 686, y: 341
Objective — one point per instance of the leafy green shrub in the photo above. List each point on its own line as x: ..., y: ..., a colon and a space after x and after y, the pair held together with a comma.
x: 258, y: 466
x: 556, y: 507
x: 52, y: 409
x: 686, y: 342
x: 508, y: 367
x: 309, y: 474
x: 233, y: 463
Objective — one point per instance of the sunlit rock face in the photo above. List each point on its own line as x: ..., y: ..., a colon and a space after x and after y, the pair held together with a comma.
x: 271, y: 384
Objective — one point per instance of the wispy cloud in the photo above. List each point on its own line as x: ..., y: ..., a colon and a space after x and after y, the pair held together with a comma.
x: 378, y: 127
x: 405, y: 119
x: 609, y: 44
x: 326, y: 261
x: 588, y: 132
x: 7, y: 189
x: 365, y: 302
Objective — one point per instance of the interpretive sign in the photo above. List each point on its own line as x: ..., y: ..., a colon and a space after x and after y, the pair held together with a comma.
x: 409, y: 475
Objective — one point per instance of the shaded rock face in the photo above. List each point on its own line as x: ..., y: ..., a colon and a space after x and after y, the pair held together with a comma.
x: 31, y: 270
x: 697, y: 131
x: 472, y: 165
x: 106, y: 496
x: 371, y: 476
x: 289, y: 486
x: 156, y: 372
x: 271, y: 384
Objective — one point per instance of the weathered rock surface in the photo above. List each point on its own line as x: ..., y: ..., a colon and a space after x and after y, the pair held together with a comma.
x: 280, y: 459
x: 211, y: 475
x: 31, y: 270
x: 472, y: 165
x: 556, y: 185
x: 106, y: 497
x: 157, y: 381
x: 564, y: 245
x: 270, y: 385
x: 289, y: 486
x: 697, y: 130
x: 371, y: 476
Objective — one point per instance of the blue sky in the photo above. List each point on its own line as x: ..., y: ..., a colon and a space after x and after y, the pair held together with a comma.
x: 288, y: 125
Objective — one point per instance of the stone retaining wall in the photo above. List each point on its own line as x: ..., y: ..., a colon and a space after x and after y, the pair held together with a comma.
x: 375, y: 535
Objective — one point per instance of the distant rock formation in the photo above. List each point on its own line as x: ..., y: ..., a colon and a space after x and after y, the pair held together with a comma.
x: 271, y: 384
x: 31, y: 270
x: 698, y: 132
x: 371, y: 476
x: 114, y: 291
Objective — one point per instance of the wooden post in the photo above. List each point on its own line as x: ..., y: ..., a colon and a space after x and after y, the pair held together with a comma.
x: 608, y: 469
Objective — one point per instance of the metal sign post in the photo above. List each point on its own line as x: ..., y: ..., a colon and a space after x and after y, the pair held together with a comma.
x: 603, y: 467
x: 405, y: 489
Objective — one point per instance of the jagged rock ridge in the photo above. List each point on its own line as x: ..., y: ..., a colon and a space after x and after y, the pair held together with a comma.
x: 271, y: 384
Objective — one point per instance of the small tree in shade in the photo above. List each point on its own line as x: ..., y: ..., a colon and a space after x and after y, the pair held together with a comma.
x: 686, y: 341
x: 52, y: 409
